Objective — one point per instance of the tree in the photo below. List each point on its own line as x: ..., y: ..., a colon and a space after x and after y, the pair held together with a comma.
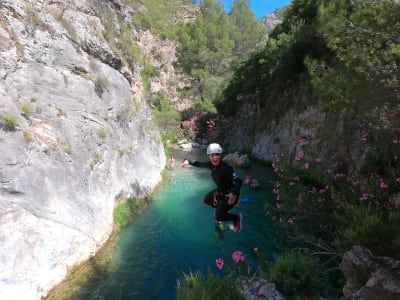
x: 365, y: 41
x: 247, y: 31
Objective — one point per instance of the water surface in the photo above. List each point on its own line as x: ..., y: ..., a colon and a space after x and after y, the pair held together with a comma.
x: 175, y: 234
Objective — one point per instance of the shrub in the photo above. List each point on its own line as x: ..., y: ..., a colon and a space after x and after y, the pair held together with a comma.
x: 294, y: 273
x: 101, y: 133
x: 197, y: 286
x: 365, y: 226
x: 123, y: 213
x: 9, y: 120
x: 26, y: 109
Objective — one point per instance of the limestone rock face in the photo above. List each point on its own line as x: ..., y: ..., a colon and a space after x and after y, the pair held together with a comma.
x: 237, y: 159
x: 370, y: 277
x: 76, y: 136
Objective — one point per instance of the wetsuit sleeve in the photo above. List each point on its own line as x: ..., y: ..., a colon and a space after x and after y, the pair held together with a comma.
x: 199, y: 164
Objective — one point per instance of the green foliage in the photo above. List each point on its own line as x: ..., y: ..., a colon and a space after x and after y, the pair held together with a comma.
x: 102, y: 133
x: 9, y: 120
x: 156, y: 16
x: 26, y: 109
x: 267, y: 76
x: 148, y: 72
x: 364, y: 40
x: 368, y: 227
x: 295, y: 273
x: 68, y: 149
x: 247, y: 29
x: 123, y: 213
x: 197, y: 286
x: 210, y: 46
x: 167, y: 120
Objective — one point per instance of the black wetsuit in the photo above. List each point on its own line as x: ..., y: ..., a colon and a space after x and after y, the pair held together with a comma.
x: 227, y: 181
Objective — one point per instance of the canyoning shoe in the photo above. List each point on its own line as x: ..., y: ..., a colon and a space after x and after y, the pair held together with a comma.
x: 221, y: 226
x: 238, y: 224
x: 218, y: 231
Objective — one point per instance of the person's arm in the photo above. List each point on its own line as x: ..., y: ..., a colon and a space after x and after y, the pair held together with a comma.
x: 195, y: 163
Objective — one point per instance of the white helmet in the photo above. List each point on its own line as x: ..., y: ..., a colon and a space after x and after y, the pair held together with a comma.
x: 214, y: 149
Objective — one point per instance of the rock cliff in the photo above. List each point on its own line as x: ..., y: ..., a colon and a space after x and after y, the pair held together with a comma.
x: 76, y: 137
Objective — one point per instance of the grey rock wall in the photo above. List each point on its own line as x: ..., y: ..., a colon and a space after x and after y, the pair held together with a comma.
x: 81, y: 138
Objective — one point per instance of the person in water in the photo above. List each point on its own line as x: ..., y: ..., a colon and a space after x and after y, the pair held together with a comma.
x: 171, y: 161
x: 227, y: 193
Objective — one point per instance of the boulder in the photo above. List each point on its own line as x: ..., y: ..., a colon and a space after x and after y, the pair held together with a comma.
x: 370, y: 277
x: 237, y: 159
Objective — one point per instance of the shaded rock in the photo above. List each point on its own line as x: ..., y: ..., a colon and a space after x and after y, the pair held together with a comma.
x: 259, y: 289
x: 237, y: 159
x: 370, y: 277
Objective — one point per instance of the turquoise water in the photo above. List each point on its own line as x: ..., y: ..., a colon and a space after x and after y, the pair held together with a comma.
x: 175, y: 234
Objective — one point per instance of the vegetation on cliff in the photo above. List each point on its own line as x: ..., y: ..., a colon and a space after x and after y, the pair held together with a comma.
x: 343, y: 56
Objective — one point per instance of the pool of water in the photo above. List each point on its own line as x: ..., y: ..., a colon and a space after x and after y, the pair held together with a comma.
x: 175, y: 234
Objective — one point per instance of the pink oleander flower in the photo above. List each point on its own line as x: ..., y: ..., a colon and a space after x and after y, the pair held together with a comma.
x: 299, y: 155
x: 364, y: 137
x: 237, y: 256
x: 340, y: 175
x: 383, y: 185
x: 256, y: 250
x: 303, y: 142
x: 364, y: 197
x: 398, y: 180
x: 307, y: 165
x: 220, y: 263
x: 318, y: 160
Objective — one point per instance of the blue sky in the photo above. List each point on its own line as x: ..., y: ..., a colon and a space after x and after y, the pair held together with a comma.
x: 261, y: 7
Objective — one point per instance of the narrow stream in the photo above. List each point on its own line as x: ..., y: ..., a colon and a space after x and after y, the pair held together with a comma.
x: 175, y: 234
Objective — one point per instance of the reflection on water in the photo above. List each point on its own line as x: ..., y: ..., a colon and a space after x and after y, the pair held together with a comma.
x: 175, y: 234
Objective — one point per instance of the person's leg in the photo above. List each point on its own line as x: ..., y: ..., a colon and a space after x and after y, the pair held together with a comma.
x: 222, y: 214
x: 222, y: 211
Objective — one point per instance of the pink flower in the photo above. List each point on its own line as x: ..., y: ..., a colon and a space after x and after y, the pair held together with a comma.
x: 303, y: 142
x: 299, y: 155
x: 237, y: 256
x: 383, y: 185
x: 255, y: 250
x: 364, y: 197
x: 306, y: 165
x: 318, y: 160
x: 220, y: 263
x: 340, y: 175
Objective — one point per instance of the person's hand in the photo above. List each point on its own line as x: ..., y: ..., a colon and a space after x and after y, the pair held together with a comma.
x: 184, y: 163
x: 231, y: 198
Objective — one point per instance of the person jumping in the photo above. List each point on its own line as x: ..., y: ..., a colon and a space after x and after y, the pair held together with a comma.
x: 227, y: 193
